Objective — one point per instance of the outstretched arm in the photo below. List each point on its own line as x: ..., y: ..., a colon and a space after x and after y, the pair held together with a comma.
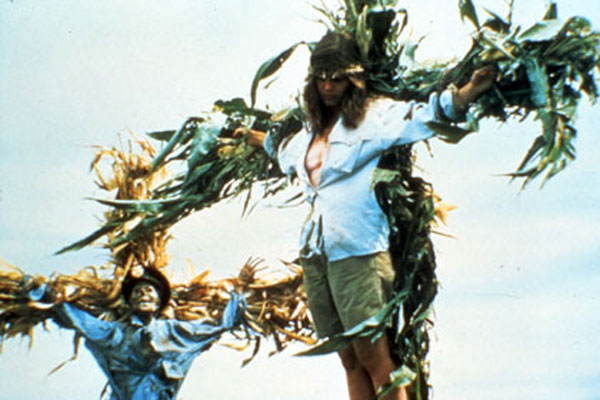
x: 253, y: 137
x: 68, y: 316
x: 481, y: 81
x: 202, y: 329
x: 192, y: 337
x: 90, y: 327
x: 286, y: 159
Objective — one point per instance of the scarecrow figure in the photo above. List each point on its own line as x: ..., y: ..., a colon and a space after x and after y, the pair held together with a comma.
x: 117, y: 307
x: 143, y: 356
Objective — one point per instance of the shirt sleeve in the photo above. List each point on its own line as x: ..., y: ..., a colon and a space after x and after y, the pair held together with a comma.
x: 407, y: 122
x: 287, y: 152
x: 199, y: 333
x: 179, y: 342
x: 87, y: 325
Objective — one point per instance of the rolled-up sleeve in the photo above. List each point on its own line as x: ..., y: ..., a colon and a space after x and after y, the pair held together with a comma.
x: 446, y: 106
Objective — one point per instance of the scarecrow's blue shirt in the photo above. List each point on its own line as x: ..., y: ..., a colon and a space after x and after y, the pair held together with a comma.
x: 146, y: 361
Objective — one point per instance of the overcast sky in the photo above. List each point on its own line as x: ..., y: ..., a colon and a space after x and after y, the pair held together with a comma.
x: 516, y: 316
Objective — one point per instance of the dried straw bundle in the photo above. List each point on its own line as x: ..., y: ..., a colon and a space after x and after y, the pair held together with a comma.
x: 276, y: 304
x: 275, y: 301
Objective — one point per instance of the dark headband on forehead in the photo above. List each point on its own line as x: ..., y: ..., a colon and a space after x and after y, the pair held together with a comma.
x: 337, y: 56
x: 354, y: 73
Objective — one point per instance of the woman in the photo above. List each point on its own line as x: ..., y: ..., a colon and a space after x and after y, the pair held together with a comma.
x: 344, y: 242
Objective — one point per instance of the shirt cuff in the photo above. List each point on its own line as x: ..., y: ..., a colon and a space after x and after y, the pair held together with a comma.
x: 270, y: 146
x: 34, y: 293
x: 446, y: 105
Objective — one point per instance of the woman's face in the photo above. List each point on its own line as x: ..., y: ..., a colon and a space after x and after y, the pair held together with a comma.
x: 332, y: 89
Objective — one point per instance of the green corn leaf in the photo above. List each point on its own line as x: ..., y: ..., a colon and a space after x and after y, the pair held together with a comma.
x: 380, y: 23
x: 137, y: 206
x: 174, y: 141
x: 269, y: 67
x: 352, y: 11
x: 467, y: 10
x: 327, y: 347
x: 364, y: 34
x: 579, y: 25
x: 195, y: 175
x: 177, y: 139
x: 538, y: 80
x: 230, y: 106
x: 542, y: 31
x: 496, y: 43
x: 238, y: 106
x: 205, y: 139
x: 408, y: 56
x: 551, y: 12
x: 86, y: 241
x: 384, y: 175
x: 404, y: 22
x: 163, y: 136
x: 448, y: 133
x: 422, y: 315
x: 496, y: 23
x: 371, y: 327
x: 402, y: 376
x: 538, y: 144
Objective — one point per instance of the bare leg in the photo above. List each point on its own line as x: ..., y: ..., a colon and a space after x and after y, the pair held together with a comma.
x: 375, y: 359
x: 357, y: 377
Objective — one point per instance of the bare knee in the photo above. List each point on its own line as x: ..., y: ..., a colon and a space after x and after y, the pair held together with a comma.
x: 373, y: 356
x: 367, y: 358
x: 350, y: 361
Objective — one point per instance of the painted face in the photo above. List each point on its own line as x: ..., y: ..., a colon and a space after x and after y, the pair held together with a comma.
x: 144, y: 298
x: 331, y: 89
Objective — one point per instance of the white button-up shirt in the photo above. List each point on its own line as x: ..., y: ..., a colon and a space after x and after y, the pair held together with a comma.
x: 345, y: 219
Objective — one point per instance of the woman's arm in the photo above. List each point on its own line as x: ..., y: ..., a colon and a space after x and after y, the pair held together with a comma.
x: 254, y: 137
x: 285, y: 153
x: 406, y: 122
x: 481, y: 81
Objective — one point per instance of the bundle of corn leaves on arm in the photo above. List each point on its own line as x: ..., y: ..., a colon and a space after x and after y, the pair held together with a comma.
x: 543, y: 71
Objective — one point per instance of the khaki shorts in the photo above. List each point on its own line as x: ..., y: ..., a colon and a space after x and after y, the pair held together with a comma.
x: 342, y: 294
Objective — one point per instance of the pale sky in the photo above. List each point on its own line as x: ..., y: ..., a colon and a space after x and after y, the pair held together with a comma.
x: 516, y: 316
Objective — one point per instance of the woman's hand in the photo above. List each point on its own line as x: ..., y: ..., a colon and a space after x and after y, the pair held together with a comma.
x: 481, y: 81
x: 253, y: 137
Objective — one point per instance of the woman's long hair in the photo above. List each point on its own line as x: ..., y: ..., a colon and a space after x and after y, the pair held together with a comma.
x: 335, y: 52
